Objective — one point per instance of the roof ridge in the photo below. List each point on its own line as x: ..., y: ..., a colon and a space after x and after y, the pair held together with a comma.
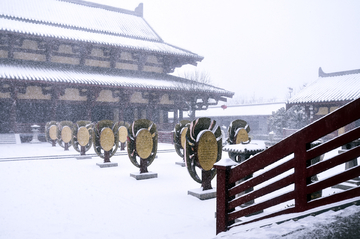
x: 339, y: 73
x: 49, y: 23
x: 137, y: 12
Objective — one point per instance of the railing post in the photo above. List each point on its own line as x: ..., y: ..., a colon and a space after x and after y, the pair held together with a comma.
x: 223, y: 168
x: 300, y: 177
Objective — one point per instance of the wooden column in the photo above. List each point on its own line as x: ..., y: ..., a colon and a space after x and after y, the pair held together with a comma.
x: 116, y: 114
x: 192, y: 110
x: 57, y: 91
x: 92, y: 95
x: 121, y: 114
x: 176, y: 118
x: 13, y: 94
x: 181, y: 115
x: 149, y: 110
x: 54, y: 104
x: 124, y: 98
x: 154, y: 99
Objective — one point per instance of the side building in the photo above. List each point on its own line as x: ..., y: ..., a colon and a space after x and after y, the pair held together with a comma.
x: 76, y: 60
x: 256, y: 115
x: 327, y: 93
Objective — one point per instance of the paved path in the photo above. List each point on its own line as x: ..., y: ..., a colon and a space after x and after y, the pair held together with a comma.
x: 343, y: 228
x: 44, y: 151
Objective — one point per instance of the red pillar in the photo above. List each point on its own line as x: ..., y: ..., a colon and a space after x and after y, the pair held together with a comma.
x: 300, y: 177
x: 223, y: 168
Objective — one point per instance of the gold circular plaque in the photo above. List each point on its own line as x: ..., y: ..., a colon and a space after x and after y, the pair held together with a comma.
x: 144, y: 143
x: 107, y: 139
x: 123, y: 133
x: 207, y: 150
x: 66, y: 134
x: 241, y: 136
x: 83, y: 136
x: 53, y: 132
x: 183, y: 136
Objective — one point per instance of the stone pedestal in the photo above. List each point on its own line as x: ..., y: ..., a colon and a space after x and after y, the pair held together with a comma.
x: 182, y: 164
x: 203, y: 195
x: 107, y: 165
x: 141, y: 176
x: 35, y: 130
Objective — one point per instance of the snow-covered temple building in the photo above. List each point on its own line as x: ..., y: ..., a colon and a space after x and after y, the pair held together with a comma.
x: 76, y: 60
x: 327, y: 93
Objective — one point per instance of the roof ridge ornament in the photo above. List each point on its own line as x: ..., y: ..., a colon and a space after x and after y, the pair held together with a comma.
x: 321, y: 73
x: 139, y: 10
x: 338, y: 73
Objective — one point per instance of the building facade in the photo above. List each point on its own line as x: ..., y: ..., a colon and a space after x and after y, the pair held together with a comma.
x: 75, y: 60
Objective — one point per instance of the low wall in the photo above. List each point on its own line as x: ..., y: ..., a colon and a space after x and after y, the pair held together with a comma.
x: 165, y: 137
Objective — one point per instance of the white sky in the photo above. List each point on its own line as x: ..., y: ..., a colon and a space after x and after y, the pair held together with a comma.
x: 259, y: 48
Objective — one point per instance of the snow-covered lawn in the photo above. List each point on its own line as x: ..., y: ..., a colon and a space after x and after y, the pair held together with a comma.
x: 69, y: 198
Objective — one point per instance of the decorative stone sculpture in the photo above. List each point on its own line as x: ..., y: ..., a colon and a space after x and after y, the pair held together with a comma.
x: 238, y: 134
x: 51, y: 129
x: 203, y: 148
x: 123, y: 134
x: 82, y: 139
x: 106, y: 141
x: 65, y: 134
x: 179, y: 138
x: 142, y: 143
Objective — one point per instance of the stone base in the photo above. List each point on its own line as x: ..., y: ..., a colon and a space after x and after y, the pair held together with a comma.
x: 203, y: 195
x: 107, y: 165
x: 83, y: 157
x: 141, y: 176
x: 182, y: 164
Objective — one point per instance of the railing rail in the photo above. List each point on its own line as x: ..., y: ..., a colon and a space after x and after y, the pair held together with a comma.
x: 297, y: 148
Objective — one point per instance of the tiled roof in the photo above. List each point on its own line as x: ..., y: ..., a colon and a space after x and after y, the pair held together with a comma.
x: 83, y: 21
x: 338, y: 86
x: 60, y: 75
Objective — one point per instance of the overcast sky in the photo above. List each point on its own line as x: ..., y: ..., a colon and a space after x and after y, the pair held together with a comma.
x: 255, y: 48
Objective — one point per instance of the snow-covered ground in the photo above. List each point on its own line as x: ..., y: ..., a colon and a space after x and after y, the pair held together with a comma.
x: 69, y: 198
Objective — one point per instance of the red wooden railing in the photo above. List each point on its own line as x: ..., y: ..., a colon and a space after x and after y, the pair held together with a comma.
x: 297, y: 148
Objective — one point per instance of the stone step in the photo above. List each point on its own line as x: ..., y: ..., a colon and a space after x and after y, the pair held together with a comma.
x: 352, y: 183
x: 355, y: 181
x: 343, y: 186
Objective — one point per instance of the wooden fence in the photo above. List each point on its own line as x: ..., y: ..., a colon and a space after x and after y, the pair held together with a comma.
x: 297, y: 148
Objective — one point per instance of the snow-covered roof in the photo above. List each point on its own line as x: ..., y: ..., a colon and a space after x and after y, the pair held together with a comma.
x: 83, y: 21
x: 241, y: 110
x: 41, y: 73
x: 329, y: 87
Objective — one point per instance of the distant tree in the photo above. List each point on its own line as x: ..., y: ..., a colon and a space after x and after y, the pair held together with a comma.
x: 198, y: 80
x: 293, y: 118
x: 196, y: 76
